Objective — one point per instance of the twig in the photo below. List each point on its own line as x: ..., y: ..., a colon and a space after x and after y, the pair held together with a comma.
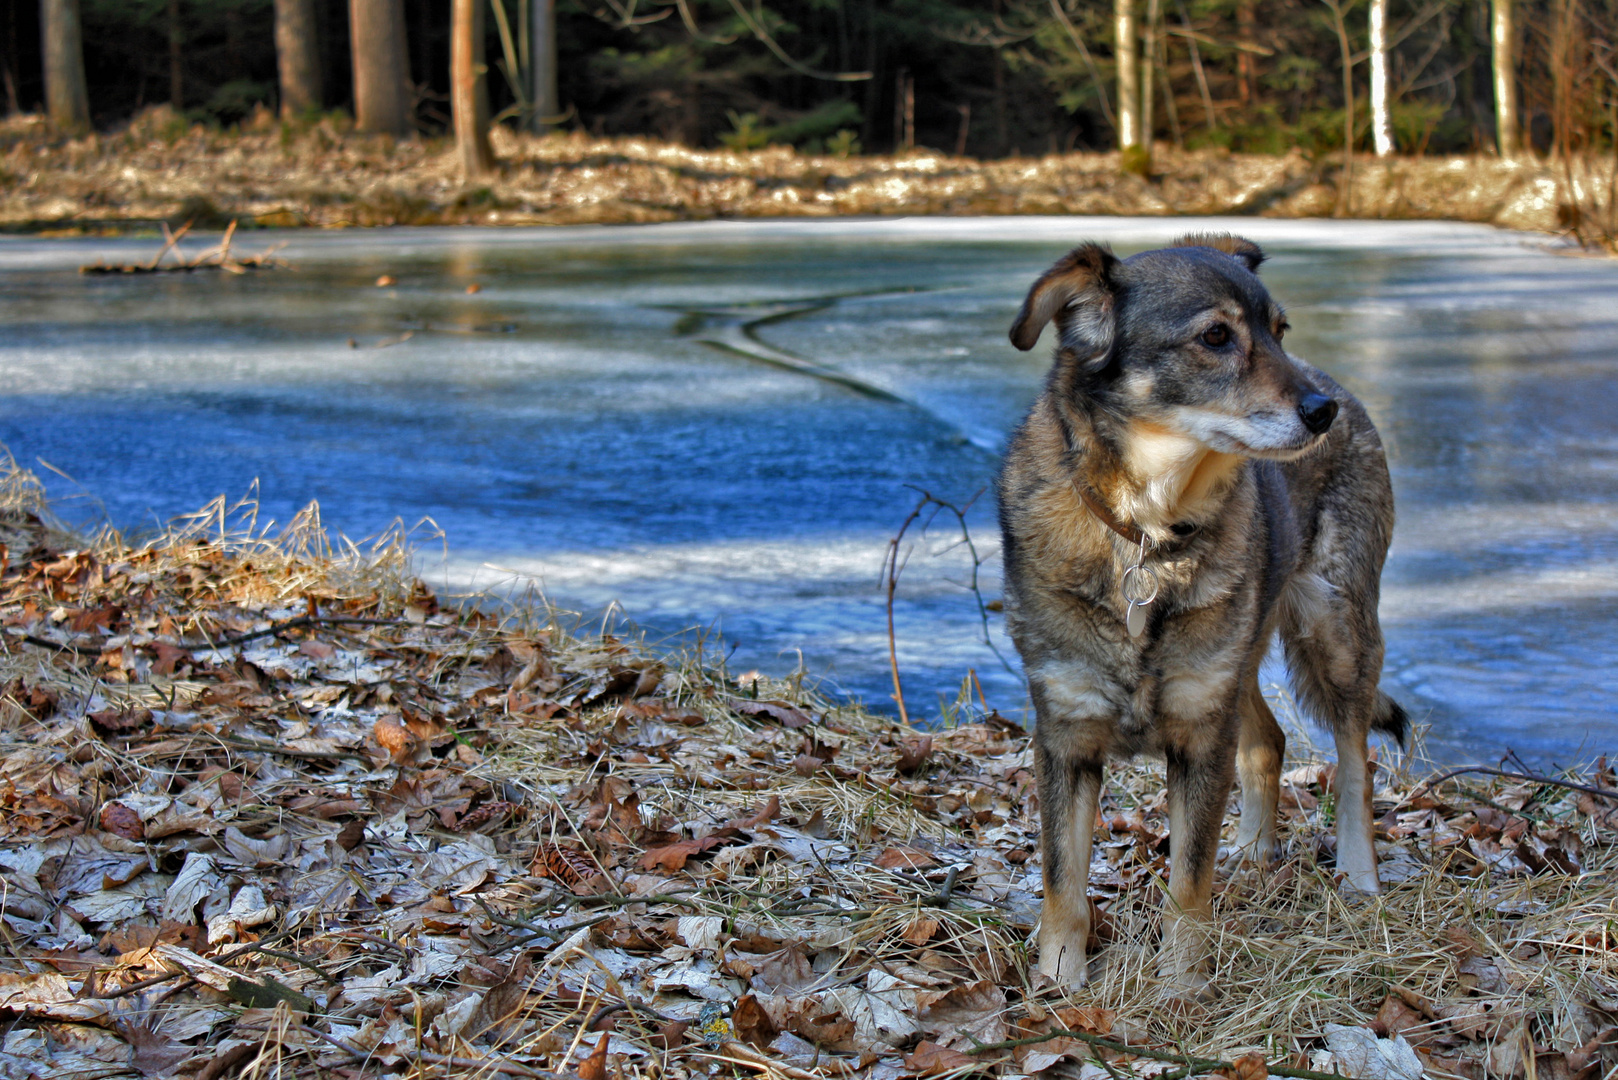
x: 251, y: 947
x: 302, y: 961
x: 170, y: 240
x: 276, y: 748
x: 960, y: 513
x: 44, y: 643
x: 293, y: 624
x: 891, y: 568
x: 511, y: 1068
x: 1530, y: 777
x: 1196, y: 1063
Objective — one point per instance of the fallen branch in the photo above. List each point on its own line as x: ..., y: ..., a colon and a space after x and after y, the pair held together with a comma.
x: 293, y: 624
x: 1195, y: 1063
x: 218, y: 258
x: 510, y: 1068
x: 1605, y: 793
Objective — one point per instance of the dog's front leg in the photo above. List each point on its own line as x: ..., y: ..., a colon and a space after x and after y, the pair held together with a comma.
x: 1356, y: 847
x: 1198, y: 786
x: 1069, y: 791
x: 1259, y: 755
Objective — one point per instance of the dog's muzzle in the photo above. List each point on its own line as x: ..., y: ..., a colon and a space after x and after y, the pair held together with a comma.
x: 1317, y: 411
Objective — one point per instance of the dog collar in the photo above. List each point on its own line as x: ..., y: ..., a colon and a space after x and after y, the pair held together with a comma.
x: 1103, y: 515
x: 1183, y: 530
x: 1140, y: 584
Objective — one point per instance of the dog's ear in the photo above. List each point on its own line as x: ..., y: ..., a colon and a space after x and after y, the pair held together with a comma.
x: 1241, y: 247
x: 1078, y: 293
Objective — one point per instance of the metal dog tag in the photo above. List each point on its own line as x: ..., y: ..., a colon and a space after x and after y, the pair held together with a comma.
x: 1139, y: 588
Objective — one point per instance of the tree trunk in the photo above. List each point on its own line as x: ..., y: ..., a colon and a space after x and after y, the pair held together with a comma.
x: 1381, y: 119
x: 67, y: 98
x: 1127, y: 53
x: 1505, y: 78
x: 1345, y: 206
x: 176, y: 57
x: 297, y: 55
x: 542, y: 53
x: 1148, y: 66
x: 381, y: 71
x: 469, y: 97
x: 1246, y: 21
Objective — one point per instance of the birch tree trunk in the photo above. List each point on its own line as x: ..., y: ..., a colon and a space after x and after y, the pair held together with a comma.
x: 1505, y: 78
x: 469, y: 97
x: 542, y: 45
x: 1381, y: 119
x: 1128, y: 60
x: 67, y: 97
x: 297, y: 56
x: 381, y: 69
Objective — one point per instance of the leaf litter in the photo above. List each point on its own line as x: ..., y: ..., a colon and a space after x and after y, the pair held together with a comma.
x: 271, y: 808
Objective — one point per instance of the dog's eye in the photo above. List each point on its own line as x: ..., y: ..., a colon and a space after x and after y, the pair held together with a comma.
x: 1281, y: 329
x: 1217, y: 336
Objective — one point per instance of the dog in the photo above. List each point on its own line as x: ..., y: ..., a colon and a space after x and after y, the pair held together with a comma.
x: 1182, y: 490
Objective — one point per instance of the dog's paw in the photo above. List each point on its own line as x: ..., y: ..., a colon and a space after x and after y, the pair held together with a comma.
x: 1358, y: 887
x: 1185, y: 990
x: 1233, y: 857
x: 1062, y: 968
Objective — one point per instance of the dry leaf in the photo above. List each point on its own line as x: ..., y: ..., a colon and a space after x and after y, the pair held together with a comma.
x: 122, y: 821
x: 964, y: 1015
x: 931, y: 1059
x: 1090, y: 1019
x: 1359, y: 1053
x: 904, y: 858
x: 672, y: 857
x: 914, y: 754
x: 394, y: 738
x: 788, y: 716
x: 920, y: 931
x: 1250, y: 1066
x: 1395, y: 1017
x: 594, y: 1067
x: 751, y: 1023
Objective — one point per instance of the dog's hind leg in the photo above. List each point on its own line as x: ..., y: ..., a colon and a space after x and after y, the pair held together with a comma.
x: 1198, y: 787
x: 1334, y: 665
x: 1356, y: 847
x: 1069, y: 792
x: 1258, y: 764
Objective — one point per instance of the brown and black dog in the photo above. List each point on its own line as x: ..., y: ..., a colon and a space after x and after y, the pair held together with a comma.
x: 1183, y: 489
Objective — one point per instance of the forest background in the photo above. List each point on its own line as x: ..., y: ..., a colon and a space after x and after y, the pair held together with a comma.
x: 985, y: 78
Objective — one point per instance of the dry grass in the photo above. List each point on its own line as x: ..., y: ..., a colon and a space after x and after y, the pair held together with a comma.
x: 459, y: 841
x: 159, y: 168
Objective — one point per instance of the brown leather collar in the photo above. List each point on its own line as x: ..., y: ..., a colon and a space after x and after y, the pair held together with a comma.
x: 1130, y: 533
x: 1103, y: 515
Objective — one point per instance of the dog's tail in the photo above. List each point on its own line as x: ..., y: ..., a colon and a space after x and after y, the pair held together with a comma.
x: 1391, y: 718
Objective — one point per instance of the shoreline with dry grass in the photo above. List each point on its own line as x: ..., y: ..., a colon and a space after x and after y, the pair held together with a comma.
x: 272, y: 809
x: 159, y: 168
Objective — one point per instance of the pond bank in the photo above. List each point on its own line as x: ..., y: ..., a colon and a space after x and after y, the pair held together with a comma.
x: 321, y: 175
x: 269, y: 802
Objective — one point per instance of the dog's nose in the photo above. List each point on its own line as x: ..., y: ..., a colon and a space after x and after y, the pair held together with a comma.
x: 1317, y: 411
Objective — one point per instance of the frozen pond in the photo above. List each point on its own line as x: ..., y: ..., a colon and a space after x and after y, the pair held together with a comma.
x: 604, y: 419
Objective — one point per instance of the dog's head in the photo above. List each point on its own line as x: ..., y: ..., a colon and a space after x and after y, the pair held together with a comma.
x: 1186, y: 337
